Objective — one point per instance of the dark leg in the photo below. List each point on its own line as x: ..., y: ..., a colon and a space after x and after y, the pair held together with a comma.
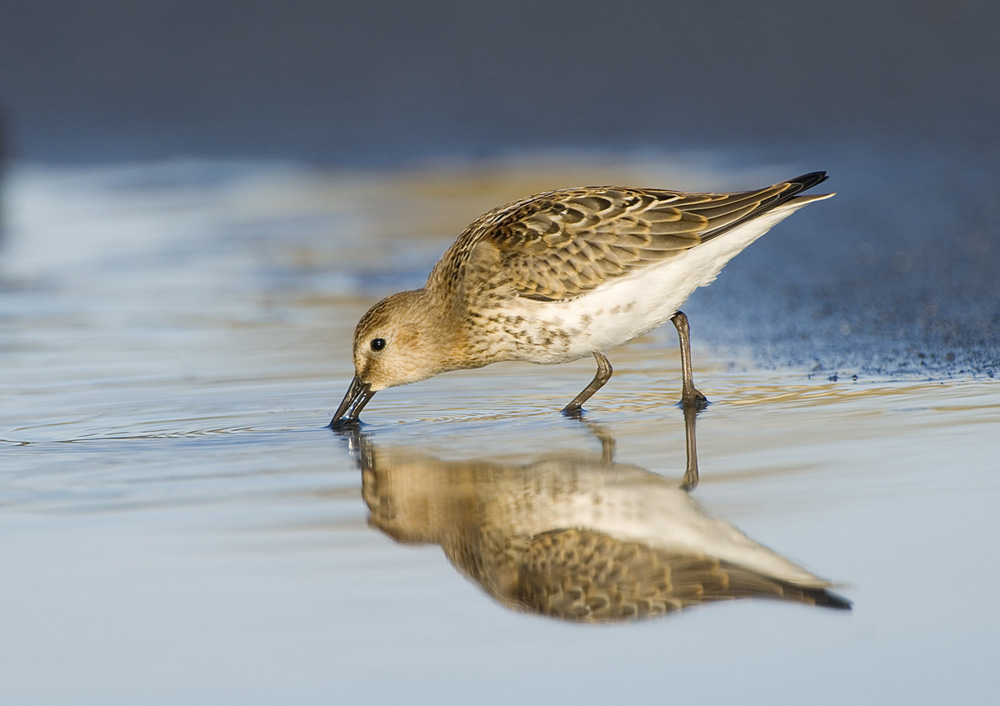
x: 690, y: 397
x: 608, y: 442
x: 691, y: 472
x: 603, y: 375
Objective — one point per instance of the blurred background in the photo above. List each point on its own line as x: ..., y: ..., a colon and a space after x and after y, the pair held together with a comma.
x: 386, y: 82
x: 898, y: 100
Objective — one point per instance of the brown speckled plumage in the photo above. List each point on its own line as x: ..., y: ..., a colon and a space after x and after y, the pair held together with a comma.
x: 563, y: 275
x: 562, y: 244
x: 576, y: 538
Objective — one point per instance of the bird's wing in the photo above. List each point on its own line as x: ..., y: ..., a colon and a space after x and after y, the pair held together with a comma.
x: 561, y: 244
x: 588, y: 576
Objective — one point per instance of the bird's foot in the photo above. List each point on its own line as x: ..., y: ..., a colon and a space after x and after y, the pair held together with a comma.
x: 693, y: 400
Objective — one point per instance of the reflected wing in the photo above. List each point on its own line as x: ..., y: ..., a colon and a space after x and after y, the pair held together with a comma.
x: 588, y: 576
x: 561, y: 244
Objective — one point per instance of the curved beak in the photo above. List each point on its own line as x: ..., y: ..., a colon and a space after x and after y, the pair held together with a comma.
x: 354, y: 401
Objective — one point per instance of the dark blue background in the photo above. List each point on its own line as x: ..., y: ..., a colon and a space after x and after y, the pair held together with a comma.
x: 387, y: 81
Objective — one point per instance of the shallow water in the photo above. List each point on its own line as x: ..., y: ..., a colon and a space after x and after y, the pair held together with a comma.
x: 177, y: 524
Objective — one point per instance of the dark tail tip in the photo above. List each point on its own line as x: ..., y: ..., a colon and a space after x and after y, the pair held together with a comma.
x: 808, y: 181
x: 829, y: 599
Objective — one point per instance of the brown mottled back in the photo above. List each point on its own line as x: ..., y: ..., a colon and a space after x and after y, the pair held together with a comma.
x: 561, y: 244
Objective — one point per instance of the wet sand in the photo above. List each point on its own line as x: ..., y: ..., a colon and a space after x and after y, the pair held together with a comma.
x: 177, y: 524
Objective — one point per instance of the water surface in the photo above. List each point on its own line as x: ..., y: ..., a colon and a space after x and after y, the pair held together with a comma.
x: 176, y: 523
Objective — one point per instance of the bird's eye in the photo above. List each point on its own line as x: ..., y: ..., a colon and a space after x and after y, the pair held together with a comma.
x: 378, y: 344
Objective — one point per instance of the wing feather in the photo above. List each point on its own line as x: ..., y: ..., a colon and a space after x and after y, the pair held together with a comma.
x: 561, y: 244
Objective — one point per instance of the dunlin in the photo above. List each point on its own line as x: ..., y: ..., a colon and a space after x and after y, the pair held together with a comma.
x: 575, y: 535
x: 560, y: 276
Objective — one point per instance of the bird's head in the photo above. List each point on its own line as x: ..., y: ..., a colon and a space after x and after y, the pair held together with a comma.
x: 402, y: 339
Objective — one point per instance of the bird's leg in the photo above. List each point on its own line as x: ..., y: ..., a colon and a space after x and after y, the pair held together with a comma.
x: 690, y: 397
x: 604, y: 371
x: 691, y: 472
x: 606, y: 439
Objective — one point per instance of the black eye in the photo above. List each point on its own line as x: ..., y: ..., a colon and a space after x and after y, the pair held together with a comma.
x: 378, y: 344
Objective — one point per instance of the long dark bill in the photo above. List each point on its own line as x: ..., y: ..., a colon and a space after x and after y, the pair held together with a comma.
x: 358, y: 395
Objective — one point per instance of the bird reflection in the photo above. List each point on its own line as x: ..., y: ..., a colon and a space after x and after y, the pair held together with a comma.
x: 576, y: 536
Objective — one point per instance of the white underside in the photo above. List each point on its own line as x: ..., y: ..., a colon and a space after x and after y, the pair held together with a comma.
x: 629, y: 503
x: 631, y: 306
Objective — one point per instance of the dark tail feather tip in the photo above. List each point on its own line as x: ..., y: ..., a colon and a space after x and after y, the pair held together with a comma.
x: 832, y: 600
x: 808, y: 181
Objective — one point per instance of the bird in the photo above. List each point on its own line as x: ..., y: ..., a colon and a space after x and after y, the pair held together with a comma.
x: 560, y: 276
x: 575, y: 536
